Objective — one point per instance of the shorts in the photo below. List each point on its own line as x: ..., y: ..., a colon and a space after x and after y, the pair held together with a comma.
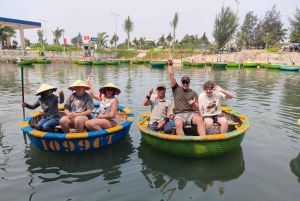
x: 185, y: 117
x: 214, y: 117
x: 112, y: 123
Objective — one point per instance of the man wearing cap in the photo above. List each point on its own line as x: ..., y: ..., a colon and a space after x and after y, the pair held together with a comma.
x: 186, y: 103
x: 161, y: 109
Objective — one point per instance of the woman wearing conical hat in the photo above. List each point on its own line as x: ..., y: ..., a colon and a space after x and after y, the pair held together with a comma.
x: 78, y: 108
x: 107, y: 117
x: 49, y: 103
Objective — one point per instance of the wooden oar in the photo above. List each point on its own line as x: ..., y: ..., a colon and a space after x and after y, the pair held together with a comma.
x: 22, y: 90
x: 145, y: 119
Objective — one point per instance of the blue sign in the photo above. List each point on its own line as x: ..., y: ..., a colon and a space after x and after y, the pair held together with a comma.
x: 79, y: 38
x: 94, y: 39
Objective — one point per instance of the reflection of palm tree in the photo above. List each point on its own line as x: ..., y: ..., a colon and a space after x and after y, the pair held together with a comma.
x: 128, y: 27
x: 57, y: 35
x: 202, y: 172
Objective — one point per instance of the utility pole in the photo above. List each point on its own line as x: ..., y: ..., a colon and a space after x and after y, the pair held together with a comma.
x: 115, y: 14
x: 45, y: 28
x: 64, y: 41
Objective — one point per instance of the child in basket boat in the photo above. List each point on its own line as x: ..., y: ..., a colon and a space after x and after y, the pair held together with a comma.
x: 49, y: 103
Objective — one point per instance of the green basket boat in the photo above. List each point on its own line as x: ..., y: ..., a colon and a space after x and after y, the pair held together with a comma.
x: 75, y: 61
x: 112, y: 62
x: 219, y: 65
x: 25, y: 62
x: 137, y: 61
x: 275, y: 66
x: 158, y: 64
x: 251, y: 65
x: 290, y: 68
x: 147, y: 61
x: 233, y: 65
x: 43, y: 61
x: 186, y: 63
x: 99, y: 62
x: 208, y: 63
x: 198, y: 146
x: 80, y: 62
x: 197, y: 64
x: 125, y: 60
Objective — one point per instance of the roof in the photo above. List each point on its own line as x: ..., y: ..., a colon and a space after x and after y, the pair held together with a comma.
x: 15, y: 23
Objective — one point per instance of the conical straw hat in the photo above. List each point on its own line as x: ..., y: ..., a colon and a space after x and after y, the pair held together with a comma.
x: 79, y: 83
x: 44, y: 87
x: 110, y: 85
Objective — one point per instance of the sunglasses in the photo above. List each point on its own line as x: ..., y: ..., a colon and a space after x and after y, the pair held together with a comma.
x: 185, y: 82
x: 109, y: 89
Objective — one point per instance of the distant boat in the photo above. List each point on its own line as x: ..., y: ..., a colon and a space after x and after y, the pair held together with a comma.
x: 290, y: 67
x: 186, y: 63
x: 125, y: 60
x: 233, y: 65
x: 112, y: 62
x: 275, y: 66
x: 83, y: 62
x: 43, y: 61
x: 250, y: 65
x: 25, y: 62
x: 146, y: 60
x: 99, y: 62
x: 158, y: 64
x: 134, y: 61
x: 197, y: 64
x: 75, y: 61
x: 219, y: 65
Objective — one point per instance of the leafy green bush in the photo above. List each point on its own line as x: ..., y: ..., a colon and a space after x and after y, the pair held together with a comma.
x: 275, y: 49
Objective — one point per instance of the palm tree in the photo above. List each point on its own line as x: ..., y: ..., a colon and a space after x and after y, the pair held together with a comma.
x: 244, y: 38
x: 74, y: 40
x: 57, y: 35
x: 141, y: 42
x: 5, y: 32
x: 162, y: 40
x: 111, y: 42
x: 128, y: 27
x: 174, y: 24
x: 135, y: 42
x: 102, y: 39
x: 40, y: 34
x: 115, y: 38
x: 169, y: 38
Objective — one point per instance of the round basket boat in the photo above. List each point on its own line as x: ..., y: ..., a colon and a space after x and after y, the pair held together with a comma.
x: 197, y: 146
x: 58, y: 141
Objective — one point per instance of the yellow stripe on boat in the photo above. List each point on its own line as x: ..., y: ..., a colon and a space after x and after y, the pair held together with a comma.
x: 114, y: 129
x: 24, y: 124
x: 37, y: 133
x: 77, y: 135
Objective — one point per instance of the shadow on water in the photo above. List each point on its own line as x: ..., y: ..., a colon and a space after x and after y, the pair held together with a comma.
x: 295, y: 166
x: 161, y: 169
x: 70, y: 168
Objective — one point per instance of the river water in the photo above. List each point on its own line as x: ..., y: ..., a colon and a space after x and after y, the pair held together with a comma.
x: 265, y: 167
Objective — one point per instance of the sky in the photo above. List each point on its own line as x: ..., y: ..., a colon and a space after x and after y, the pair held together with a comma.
x: 151, y: 18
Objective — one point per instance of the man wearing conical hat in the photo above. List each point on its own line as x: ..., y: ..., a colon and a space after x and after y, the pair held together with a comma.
x: 107, y: 117
x: 78, y: 107
x: 49, y: 103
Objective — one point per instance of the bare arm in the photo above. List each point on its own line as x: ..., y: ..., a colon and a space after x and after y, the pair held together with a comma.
x: 171, y: 71
x: 228, y: 94
x: 92, y: 92
x: 146, y: 100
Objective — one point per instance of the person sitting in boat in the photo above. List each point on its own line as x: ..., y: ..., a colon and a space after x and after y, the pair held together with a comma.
x: 210, y: 106
x: 107, y: 117
x: 78, y: 108
x: 161, y: 109
x: 186, y: 103
x: 49, y: 103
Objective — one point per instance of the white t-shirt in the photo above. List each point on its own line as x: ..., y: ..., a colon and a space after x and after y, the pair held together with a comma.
x: 211, y: 106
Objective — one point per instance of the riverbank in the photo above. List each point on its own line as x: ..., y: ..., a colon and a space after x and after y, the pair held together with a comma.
x: 259, y: 56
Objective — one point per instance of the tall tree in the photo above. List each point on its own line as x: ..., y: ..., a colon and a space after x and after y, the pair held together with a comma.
x: 225, y: 25
x: 102, y: 39
x: 141, y: 42
x: 295, y: 27
x: 267, y: 39
x: 174, y: 24
x: 40, y: 34
x: 162, y: 40
x: 74, y: 40
x: 57, y: 35
x: 115, y: 38
x: 111, y: 42
x: 250, y: 22
x: 169, y: 38
x: 128, y: 28
x: 135, y: 42
x: 27, y: 42
x: 204, y: 39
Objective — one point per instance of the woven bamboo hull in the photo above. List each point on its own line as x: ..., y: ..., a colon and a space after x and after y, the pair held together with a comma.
x: 84, y: 62
x: 219, y: 65
x: 99, y: 62
x: 76, y: 142
x: 157, y: 64
x: 26, y: 62
x: 125, y: 60
x: 250, y: 65
x: 232, y: 65
x: 137, y: 61
x: 197, y: 146
x: 112, y: 62
x: 290, y: 68
x: 186, y: 63
x: 197, y: 64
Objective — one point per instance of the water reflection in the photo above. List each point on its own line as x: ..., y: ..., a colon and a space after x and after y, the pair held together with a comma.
x: 70, y: 168
x: 162, y: 170
x: 295, y: 166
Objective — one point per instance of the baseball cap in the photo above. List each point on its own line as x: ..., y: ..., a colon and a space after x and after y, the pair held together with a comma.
x: 161, y: 85
x: 185, y: 78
